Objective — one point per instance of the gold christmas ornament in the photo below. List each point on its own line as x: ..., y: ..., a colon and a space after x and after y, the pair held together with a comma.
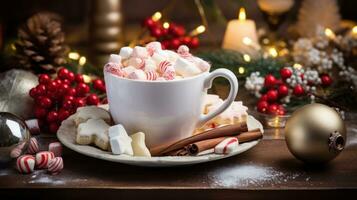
x: 315, y: 133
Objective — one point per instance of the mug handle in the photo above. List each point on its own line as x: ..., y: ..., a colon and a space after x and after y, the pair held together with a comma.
x: 233, y: 82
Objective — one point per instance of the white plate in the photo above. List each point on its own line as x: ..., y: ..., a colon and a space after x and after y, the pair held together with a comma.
x: 67, y: 134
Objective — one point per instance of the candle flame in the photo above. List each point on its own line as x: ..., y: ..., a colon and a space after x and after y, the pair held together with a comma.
x: 329, y: 33
x: 156, y: 16
x: 354, y: 30
x: 242, y: 15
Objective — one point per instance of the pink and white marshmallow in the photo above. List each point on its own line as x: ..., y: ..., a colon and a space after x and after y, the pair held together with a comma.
x: 153, y: 47
x: 43, y: 158
x: 227, y: 146
x: 55, y: 148
x: 55, y: 165
x: 137, y: 75
x: 25, y: 164
x: 115, y: 69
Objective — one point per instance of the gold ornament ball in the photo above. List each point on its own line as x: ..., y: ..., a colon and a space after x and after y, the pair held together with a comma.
x: 315, y: 133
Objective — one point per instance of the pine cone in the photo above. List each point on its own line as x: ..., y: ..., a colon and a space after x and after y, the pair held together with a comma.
x: 41, y: 46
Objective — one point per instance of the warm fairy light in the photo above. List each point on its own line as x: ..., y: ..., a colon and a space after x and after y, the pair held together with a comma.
x: 166, y: 25
x: 198, y: 30
x: 266, y: 41
x: 246, y: 58
x: 86, y: 78
x: 329, y: 33
x: 242, y: 15
x: 241, y: 70
x: 73, y: 55
x: 354, y: 30
x: 13, y: 47
x: 273, y: 52
x: 82, y: 61
x: 297, y: 66
x: 156, y: 16
x: 247, y: 41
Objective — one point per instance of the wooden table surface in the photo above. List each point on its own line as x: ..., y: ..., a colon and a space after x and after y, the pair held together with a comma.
x: 267, y: 171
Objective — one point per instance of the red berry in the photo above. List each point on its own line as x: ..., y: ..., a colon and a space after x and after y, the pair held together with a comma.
x: 283, y: 90
x: 70, y: 77
x: 298, y: 90
x: 79, y: 78
x: 98, y: 84
x: 63, y: 88
x: 68, y: 104
x: 79, y: 102
x: 177, y: 30
x: 285, y: 73
x: 93, y: 99
x: 66, y: 98
x: 44, y: 79
x: 262, y: 106
x: 41, y: 89
x: 175, y: 43
x: 269, y: 81
x: 149, y: 22
x: 156, y: 32
x: 45, y: 102
x: 195, y: 42
x: 326, y: 80
x: 264, y: 97
x: 58, y: 81
x: 105, y: 101
x: 82, y: 89
x: 52, y: 86
x: 62, y: 73
x: 52, y: 116
x: 272, y: 109
x: 71, y: 92
x: 186, y: 40
x: 272, y: 95
x: 40, y: 112
x: 33, y: 93
x: 165, y: 44
x: 66, y: 81
x: 63, y: 114
x: 280, y: 110
x: 53, y: 127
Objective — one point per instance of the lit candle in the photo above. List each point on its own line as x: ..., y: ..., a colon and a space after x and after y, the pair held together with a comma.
x: 241, y: 35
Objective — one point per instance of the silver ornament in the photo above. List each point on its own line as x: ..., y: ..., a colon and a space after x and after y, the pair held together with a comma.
x: 14, y: 92
x: 13, y: 132
x: 315, y: 133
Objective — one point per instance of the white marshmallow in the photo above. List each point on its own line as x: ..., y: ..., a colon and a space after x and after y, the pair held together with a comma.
x: 171, y: 55
x: 153, y: 47
x: 185, y: 68
x: 129, y: 69
x: 158, y: 58
x: 137, y: 75
x: 140, y: 52
x: 161, y: 79
x: 120, y: 142
x: 150, y: 65
x: 115, y: 58
x: 125, y: 52
x: 227, y: 146
x: 203, y: 65
x: 138, y: 144
x: 138, y: 63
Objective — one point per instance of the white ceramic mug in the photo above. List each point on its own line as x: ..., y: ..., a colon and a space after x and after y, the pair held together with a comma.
x: 166, y: 111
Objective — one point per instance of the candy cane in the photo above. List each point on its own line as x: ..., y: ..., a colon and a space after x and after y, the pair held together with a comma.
x: 55, y: 165
x: 25, y: 164
x: 151, y: 75
x: 43, y: 158
x: 34, y: 147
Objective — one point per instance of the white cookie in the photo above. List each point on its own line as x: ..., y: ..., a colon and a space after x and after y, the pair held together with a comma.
x: 91, y: 112
x: 139, y: 146
x: 120, y: 142
x: 93, y: 131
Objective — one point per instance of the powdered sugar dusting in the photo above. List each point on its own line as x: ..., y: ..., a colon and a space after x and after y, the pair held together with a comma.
x: 249, y: 174
x: 42, y: 177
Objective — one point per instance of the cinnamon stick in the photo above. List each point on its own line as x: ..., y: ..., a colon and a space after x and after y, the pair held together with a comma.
x: 228, y: 130
x: 197, y: 147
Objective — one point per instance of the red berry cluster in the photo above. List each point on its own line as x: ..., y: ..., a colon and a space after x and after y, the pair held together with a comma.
x: 170, y: 37
x: 57, y: 99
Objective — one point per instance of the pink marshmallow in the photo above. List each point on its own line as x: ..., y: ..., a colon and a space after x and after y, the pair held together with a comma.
x: 153, y: 47
x: 115, y: 69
